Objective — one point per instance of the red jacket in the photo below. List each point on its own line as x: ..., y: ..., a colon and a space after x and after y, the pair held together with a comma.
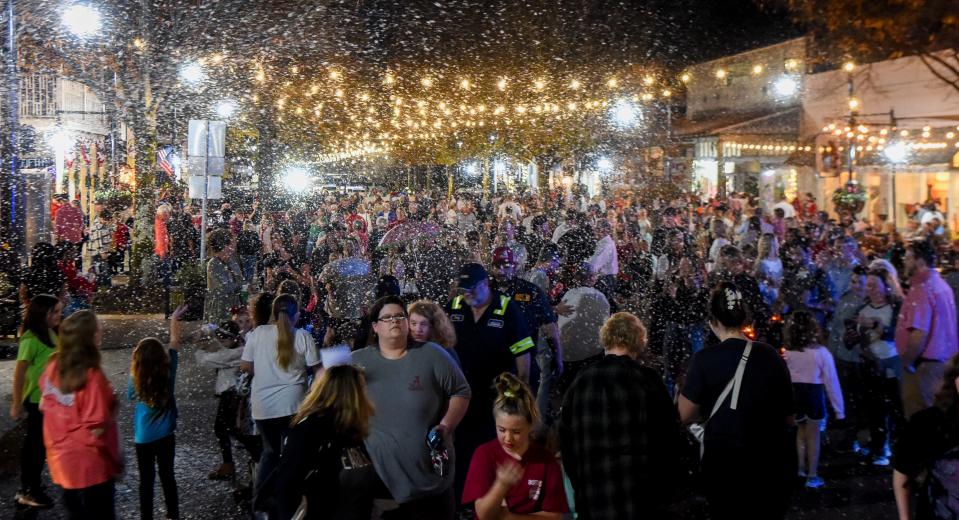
x: 121, y: 237
x: 77, y: 284
x: 69, y: 224
x: 76, y: 457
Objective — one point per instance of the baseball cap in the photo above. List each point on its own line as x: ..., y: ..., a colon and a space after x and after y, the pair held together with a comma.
x: 472, y: 274
x: 503, y: 255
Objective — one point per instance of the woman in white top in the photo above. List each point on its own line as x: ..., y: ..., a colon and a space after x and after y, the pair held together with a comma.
x: 278, y: 355
x: 769, y: 268
x: 877, y: 326
x: 719, y: 231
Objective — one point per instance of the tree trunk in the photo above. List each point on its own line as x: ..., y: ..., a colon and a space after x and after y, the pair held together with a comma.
x: 144, y: 201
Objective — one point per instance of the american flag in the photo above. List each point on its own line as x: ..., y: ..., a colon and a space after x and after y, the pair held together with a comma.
x: 165, y: 159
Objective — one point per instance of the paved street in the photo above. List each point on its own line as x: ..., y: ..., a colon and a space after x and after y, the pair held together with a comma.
x: 853, y: 491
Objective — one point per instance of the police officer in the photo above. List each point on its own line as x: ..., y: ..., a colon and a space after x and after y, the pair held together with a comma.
x: 491, y: 338
x: 539, y: 315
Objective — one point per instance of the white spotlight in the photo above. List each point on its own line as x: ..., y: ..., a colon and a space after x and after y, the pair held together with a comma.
x: 786, y: 86
x: 193, y: 73
x: 296, y: 179
x: 896, y: 152
x: 82, y: 20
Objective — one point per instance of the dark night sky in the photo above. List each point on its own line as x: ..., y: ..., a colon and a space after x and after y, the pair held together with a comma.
x: 671, y: 33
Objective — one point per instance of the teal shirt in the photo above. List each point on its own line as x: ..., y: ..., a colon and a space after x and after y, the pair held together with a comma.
x: 152, y: 424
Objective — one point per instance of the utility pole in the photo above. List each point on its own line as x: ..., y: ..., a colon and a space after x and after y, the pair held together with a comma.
x: 12, y: 185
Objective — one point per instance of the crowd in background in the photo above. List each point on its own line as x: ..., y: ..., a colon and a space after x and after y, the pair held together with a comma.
x: 515, y: 355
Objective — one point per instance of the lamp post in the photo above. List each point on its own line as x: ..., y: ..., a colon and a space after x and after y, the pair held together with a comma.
x: 12, y: 220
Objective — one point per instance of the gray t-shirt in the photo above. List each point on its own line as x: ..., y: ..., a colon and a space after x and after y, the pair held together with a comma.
x: 410, y: 395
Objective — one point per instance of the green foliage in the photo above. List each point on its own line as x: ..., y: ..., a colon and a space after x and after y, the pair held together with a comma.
x: 851, y: 197
x: 114, y: 200
x: 190, y: 275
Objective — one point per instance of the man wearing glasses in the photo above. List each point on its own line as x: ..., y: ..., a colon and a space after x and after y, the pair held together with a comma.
x: 492, y: 337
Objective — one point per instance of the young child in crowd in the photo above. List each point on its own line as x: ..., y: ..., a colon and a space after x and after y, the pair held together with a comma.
x: 151, y: 387
x: 224, y: 357
x: 511, y: 475
x: 813, y: 374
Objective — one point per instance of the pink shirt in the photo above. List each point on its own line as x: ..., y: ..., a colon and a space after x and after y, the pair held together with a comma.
x: 76, y: 457
x: 931, y: 308
x: 815, y: 366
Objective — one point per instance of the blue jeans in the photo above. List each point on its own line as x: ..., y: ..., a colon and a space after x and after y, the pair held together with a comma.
x: 248, y: 266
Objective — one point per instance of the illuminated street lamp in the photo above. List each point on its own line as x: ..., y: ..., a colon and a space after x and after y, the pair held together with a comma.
x: 226, y: 108
x: 193, y: 73
x: 81, y: 20
x: 624, y: 114
x: 896, y: 152
x: 296, y: 179
x: 786, y: 87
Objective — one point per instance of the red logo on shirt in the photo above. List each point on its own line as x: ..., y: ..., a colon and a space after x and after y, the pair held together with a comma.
x: 416, y: 386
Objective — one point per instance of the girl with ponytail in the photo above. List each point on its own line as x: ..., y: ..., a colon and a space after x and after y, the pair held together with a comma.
x: 278, y: 355
x: 510, y: 475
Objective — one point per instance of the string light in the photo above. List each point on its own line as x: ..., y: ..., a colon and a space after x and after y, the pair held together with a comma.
x: 757, y: 70
x: 849, y: 66
x: 721, y: 74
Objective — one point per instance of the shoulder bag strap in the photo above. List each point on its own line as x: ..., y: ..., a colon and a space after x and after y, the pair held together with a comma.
x: 736, y: 382
x: 738, y: 379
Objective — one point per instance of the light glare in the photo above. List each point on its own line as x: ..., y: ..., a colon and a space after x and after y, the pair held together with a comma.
x: 81, y: 20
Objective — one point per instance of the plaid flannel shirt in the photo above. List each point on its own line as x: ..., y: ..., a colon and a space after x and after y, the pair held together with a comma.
x: 620, y: 438
x: 101, y: 238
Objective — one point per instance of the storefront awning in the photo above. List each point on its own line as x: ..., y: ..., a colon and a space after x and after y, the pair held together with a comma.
x: 778, y: 123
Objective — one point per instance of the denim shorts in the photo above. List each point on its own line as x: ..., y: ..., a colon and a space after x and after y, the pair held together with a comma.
x: 810, y: 401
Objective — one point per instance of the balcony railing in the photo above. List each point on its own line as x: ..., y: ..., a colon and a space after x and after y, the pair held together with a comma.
x: 47, y: 96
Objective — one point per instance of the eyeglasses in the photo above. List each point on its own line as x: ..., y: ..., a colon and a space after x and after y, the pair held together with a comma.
x: 392, y: 319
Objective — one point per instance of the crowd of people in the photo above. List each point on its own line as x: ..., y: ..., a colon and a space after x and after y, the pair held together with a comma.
x: 425, y: 356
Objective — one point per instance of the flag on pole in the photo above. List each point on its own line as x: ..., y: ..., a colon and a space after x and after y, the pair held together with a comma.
x: 101, y: 158
x: 83, y: 152
x: 165, y: 159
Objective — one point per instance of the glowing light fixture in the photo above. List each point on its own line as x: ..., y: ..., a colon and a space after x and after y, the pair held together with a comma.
x: 896, y: 152
x: 82, y: 20
x: 786, y: 86
x: 193, y: 73
x: 296, y: 179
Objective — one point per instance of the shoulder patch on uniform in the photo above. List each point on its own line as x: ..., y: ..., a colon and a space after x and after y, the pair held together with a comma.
x: 522, y: 297
x: 495, y: 324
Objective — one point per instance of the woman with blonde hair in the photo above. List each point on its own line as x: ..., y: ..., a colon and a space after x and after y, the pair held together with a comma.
x: 428, y: 322
x: 616, y: 401
x: 79, y: 420
x: 510, y: 475
x: 769, y: 268
x: 278, y: 355
x: 323, y: 458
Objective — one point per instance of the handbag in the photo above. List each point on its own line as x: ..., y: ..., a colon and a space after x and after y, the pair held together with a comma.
x: 697, y: 430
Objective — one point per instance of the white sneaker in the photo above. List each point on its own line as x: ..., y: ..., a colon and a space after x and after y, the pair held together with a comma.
x: 880, y: 461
